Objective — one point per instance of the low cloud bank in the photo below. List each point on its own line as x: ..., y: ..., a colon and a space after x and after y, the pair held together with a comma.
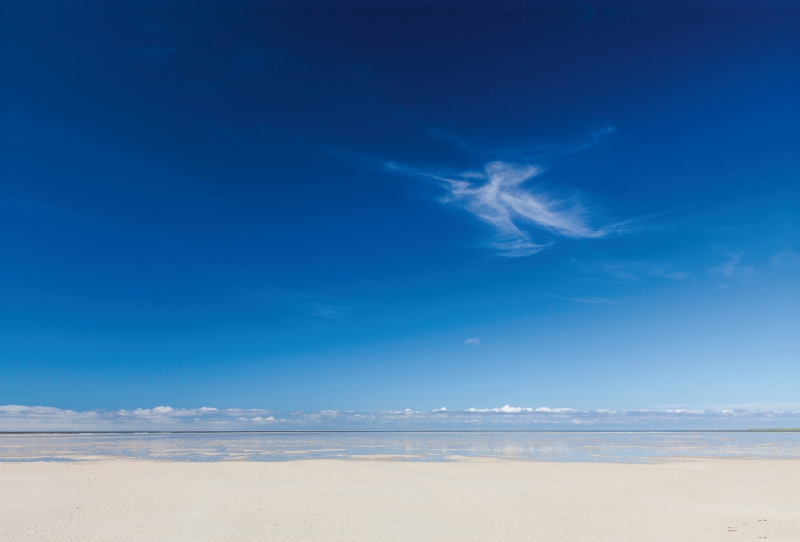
x: 15, y: 418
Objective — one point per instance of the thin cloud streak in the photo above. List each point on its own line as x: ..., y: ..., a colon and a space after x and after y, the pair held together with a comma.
x: 521, y: 150
x: 634, y: 271
x: 586, y: 300
x: 591, y: 300
x: 15, y: 418
x: 733, y: 268
x: 305, y: 303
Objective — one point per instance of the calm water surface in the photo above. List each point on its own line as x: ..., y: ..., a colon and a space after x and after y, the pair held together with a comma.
x: 628, y: 447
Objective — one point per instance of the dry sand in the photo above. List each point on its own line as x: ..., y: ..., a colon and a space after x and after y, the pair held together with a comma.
x: 328, y: 500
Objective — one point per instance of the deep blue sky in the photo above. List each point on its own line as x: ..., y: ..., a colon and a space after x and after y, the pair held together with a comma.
x: 336, y: 205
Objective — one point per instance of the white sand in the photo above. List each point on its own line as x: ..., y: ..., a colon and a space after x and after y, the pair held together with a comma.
x: 699, y: 500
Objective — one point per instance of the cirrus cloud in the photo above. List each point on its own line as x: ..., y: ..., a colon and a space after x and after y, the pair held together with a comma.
x: 497, y: 196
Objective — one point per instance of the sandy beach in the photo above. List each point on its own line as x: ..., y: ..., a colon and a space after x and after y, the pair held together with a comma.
x: 692, y: 500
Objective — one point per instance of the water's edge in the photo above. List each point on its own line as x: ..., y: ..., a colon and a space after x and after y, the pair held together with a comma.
x: 585, y: 446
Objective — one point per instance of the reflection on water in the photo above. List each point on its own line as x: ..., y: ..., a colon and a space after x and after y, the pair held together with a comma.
x: 629, y: 447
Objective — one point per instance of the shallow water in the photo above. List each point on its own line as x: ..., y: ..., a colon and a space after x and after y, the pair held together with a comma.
x: 627, y: 447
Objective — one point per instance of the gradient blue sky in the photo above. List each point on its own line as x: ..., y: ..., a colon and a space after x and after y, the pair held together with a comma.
x: 390, y: 205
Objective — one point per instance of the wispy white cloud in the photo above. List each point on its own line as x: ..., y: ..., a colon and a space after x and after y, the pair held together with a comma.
x: 473, y: 340
x: 497, y: 197
x: 592, y: 300
x: 733, y: 267
x: 164, y: 418
x: 586, y: 300
x: 787, y: 260
x: 633, y: 271
x: 517, y: 149
x: 306, y: 304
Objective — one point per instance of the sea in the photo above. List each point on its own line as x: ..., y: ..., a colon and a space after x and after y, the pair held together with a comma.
x: 582, y: 446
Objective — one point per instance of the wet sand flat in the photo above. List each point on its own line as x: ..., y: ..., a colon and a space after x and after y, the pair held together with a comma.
x: 332, y: 500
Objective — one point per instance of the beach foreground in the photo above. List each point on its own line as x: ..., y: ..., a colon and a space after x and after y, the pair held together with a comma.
x: 691, y: 500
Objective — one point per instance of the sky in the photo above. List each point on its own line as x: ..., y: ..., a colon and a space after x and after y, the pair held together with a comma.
x: 322, y: 213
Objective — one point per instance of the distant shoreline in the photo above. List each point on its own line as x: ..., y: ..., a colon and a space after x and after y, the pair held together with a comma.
x: 176, y: 432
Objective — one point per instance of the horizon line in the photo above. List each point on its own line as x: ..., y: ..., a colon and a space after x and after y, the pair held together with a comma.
x: 753, y: 429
